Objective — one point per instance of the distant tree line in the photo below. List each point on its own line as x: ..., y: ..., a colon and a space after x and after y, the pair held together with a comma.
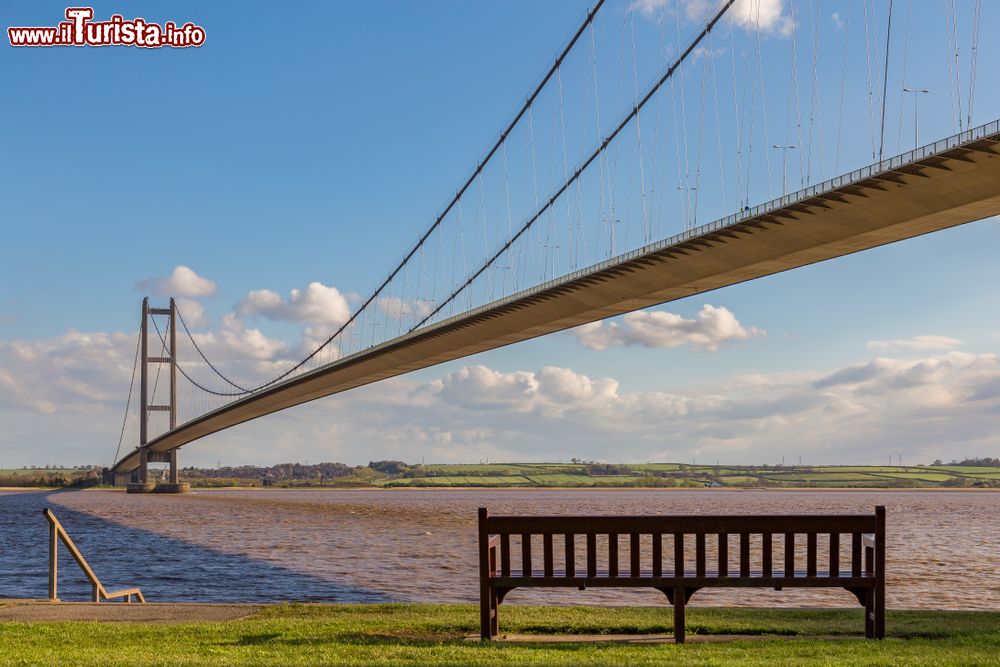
x: 39, y: 477
x: 985, y: 462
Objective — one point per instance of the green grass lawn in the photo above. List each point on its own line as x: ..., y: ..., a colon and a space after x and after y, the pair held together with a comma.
x: 437, y: 634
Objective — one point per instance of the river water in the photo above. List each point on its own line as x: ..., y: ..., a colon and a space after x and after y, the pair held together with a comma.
x: 420, y: 545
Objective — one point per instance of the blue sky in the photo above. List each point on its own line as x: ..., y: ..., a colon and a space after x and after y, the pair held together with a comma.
x: 314, y: 146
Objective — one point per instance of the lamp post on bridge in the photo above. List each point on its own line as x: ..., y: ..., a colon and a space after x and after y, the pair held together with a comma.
x: 915, y: 92
x: 784, y: 164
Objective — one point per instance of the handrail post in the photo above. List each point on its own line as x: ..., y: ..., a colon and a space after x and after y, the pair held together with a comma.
x: 53, y: 562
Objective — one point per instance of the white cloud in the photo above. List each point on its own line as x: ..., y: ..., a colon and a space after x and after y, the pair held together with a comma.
x: 548, y: 391
x: 712, y: 328
x: 72, y: 373
x: 182, y: 282
x: 702, y: 52
x: 318, y: 304
x: 837, y: 21
x: 398, y: 309
x: 650, y: 8
x: 482, y: 388
x: 915, y: 344
x: 234, y: 342
x: 926, y: 408
x: 68, y: 392
x: 766, y: 15
x: 193, y: 312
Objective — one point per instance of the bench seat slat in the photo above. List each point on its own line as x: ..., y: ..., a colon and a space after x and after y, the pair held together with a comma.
x: 711, y: 580
x: 689, y: 573
x: 691, y: 524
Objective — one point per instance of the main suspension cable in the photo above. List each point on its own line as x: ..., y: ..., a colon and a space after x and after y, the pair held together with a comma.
x: 128, y: 401
x: 189, y: 378
x: 476, y: 174
x: 202, y: 354
x: 593, y: 156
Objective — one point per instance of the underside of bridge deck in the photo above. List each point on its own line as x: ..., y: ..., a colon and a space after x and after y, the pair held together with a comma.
x: 933, y: 191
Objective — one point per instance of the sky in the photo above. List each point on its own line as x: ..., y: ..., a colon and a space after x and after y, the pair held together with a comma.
x: 270, y: 178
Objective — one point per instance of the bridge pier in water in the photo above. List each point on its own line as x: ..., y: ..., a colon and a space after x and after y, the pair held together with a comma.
x: 139, y: 481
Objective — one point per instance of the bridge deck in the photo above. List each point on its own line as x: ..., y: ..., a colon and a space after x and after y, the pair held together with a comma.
x: 949, y: 183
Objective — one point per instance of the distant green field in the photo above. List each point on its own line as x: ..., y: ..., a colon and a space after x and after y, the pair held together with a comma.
x: 500, y: 468
x: 734, y: 479
x: 687, y: 475
x: 536, y: 480
x: 657, y: 467
x: 967, y: 469
x: 926, y: 476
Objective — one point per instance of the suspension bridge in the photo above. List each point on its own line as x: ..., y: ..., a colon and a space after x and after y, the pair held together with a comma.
x: 587, y: 204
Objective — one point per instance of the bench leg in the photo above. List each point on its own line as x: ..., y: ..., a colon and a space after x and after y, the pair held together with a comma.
x: 869, y: 613
x: 679, y: 615
x: 494, y: 612
x: 880, y: 611
x: 485, y: 622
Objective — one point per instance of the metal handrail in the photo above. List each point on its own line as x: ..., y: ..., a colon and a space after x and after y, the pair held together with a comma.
x: 56, y: 533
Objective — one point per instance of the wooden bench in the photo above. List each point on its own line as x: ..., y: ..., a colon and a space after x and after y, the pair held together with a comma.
x: 640, y: 561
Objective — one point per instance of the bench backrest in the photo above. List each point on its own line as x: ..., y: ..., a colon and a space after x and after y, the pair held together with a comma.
x: 644, y: 552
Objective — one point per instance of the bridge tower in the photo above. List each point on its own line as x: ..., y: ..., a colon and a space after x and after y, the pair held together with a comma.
x: 140, y: 482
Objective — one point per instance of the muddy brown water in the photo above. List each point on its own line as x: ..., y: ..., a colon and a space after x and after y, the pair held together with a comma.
x: 420, y: 545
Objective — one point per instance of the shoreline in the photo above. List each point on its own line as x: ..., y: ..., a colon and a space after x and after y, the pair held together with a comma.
x: 798, y: 489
